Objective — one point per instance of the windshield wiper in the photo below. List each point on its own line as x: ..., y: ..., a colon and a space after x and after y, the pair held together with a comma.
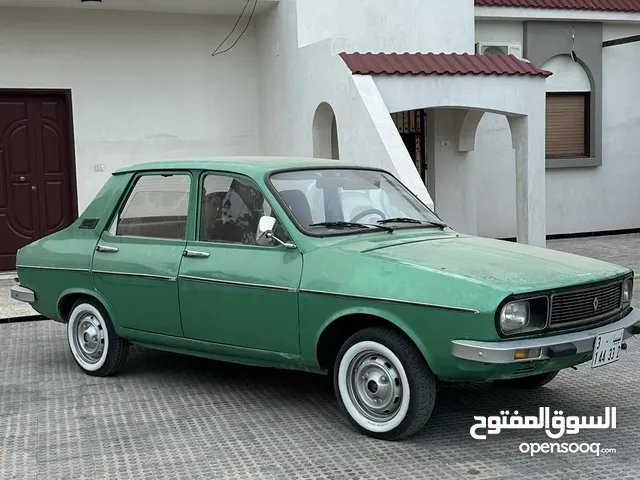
x: 350, y: 225
x: 411, y: 220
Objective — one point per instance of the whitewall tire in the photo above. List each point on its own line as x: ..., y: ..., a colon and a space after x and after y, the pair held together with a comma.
x: 383, y: 384
x: 94, y: 344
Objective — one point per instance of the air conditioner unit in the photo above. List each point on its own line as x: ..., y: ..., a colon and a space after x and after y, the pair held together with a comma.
x: 499, y: 48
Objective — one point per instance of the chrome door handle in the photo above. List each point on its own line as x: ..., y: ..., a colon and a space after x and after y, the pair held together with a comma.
x: 194, y: 253
x: 102, y: 248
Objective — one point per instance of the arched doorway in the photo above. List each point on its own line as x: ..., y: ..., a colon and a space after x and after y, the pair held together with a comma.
x: 325, y: 133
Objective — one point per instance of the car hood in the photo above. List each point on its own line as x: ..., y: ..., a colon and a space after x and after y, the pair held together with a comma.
x: 509, y: 266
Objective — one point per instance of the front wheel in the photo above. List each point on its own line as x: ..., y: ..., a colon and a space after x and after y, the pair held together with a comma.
x: 93, y: 341
x: 383, y: 384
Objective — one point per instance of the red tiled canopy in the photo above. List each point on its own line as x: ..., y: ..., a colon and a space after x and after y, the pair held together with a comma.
x: 628, y: 6
x: 439, y: 64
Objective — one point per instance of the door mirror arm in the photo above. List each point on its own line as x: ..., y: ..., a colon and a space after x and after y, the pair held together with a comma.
x: 271, y: 236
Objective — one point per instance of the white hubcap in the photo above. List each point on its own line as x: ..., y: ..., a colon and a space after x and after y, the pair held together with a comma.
x: 88, y: 337
x: 374, y: 386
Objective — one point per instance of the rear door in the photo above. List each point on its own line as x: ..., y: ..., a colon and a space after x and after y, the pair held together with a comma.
x: 137, y: 259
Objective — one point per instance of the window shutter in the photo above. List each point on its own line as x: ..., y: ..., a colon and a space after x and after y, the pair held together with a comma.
x: 566, y: 128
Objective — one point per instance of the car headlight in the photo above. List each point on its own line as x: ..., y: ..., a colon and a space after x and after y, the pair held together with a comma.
x: 627, y: 291
x: 523, y: 316
x: 514, y: 316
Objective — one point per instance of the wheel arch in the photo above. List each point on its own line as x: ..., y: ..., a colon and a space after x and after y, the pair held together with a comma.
x: 339, y: 327
x: 70, y: 296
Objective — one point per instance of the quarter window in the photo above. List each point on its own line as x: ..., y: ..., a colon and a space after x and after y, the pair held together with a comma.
x: 231, y: 211
x: 157, y: 207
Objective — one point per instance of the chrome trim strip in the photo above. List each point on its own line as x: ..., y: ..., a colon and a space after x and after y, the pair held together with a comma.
x: 85, y: 270
x: 22, y: 294
x: 391, y: 300
x: 502, y: 352
x: 237, y: 284
x: 141, y: 275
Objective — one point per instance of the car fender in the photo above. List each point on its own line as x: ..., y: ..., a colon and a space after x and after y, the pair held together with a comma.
x: 97, y: 296
x: 381, y: 313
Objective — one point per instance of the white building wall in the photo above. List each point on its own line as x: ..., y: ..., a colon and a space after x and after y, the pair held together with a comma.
x: 450, y: 181
x: 389, y: 25
x: 144, y: 86
x: 578, y: 199
x: 456, y: 179
x: 605, y: 198
x: 295, y: 81
x: 493, y: 159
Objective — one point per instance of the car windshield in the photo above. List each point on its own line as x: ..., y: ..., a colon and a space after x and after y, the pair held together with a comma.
x: 336, y: 201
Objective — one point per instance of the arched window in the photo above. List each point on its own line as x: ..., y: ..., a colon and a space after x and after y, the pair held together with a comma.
x: 325, y: 133
x: 568, y: 113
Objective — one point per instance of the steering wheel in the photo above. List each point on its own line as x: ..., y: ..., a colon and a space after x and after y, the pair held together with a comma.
x: 369, y: 211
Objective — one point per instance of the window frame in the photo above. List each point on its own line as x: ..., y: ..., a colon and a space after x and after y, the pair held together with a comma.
x: 342, y: 233
x: 586, y: 96
x: 198, y: 212
x: 126, y: 194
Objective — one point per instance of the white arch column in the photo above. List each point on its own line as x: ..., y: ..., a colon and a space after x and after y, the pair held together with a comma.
x: 527, y: 140
x: 527, y: 137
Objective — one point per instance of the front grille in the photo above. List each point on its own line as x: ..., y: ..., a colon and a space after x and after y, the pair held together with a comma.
x: 579, y: 306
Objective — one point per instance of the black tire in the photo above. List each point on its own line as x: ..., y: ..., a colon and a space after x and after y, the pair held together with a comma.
x: 528, y: 383
x: 99, y: 351
x: 369, y: 348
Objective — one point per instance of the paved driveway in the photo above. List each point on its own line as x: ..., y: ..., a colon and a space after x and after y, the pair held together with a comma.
x: 172, y: 416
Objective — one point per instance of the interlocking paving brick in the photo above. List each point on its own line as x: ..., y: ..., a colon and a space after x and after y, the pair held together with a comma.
x: 173, y: 416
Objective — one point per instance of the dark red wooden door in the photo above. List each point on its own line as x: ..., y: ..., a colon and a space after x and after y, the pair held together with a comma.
x: 37, y: 194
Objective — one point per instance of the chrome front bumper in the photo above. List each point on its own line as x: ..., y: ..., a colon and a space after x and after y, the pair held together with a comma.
x: 23, y: 294
x: 551, y: 347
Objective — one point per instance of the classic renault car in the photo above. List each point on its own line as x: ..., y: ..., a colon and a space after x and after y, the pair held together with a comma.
x: 321, y: 266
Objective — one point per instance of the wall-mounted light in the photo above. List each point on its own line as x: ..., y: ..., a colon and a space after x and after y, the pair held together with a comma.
x: 90, y: 1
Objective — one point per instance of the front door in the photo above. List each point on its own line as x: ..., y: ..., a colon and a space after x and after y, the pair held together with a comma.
x: 37, y: 189
x: 136, y: 262
x: 412, y: 127
x: 232, y: 290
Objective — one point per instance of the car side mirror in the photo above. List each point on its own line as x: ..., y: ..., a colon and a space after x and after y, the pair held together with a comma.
x: 265, y: 226
x: 264, y: 233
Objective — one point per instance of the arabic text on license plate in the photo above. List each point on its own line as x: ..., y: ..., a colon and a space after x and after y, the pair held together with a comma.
x: 606, y: 348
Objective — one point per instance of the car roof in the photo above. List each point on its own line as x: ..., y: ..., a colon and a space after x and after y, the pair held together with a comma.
x: 247, y: 165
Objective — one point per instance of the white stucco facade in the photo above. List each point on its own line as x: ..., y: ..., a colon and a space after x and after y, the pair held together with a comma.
x: 577, y: 199
x: 388, y: 26
x: 144, y: 86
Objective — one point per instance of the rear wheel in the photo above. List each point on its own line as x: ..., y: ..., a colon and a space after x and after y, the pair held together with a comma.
x: 94, y: 344
x: 529, y: 383
x: 383, y: 384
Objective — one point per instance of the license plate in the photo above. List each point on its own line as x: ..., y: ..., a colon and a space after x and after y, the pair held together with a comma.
x: 607, y: 348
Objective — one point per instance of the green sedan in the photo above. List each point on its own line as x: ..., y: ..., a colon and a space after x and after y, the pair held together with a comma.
x: 321, y: 266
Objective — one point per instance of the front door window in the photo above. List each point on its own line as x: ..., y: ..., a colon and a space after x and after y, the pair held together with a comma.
x: 231, y: 210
